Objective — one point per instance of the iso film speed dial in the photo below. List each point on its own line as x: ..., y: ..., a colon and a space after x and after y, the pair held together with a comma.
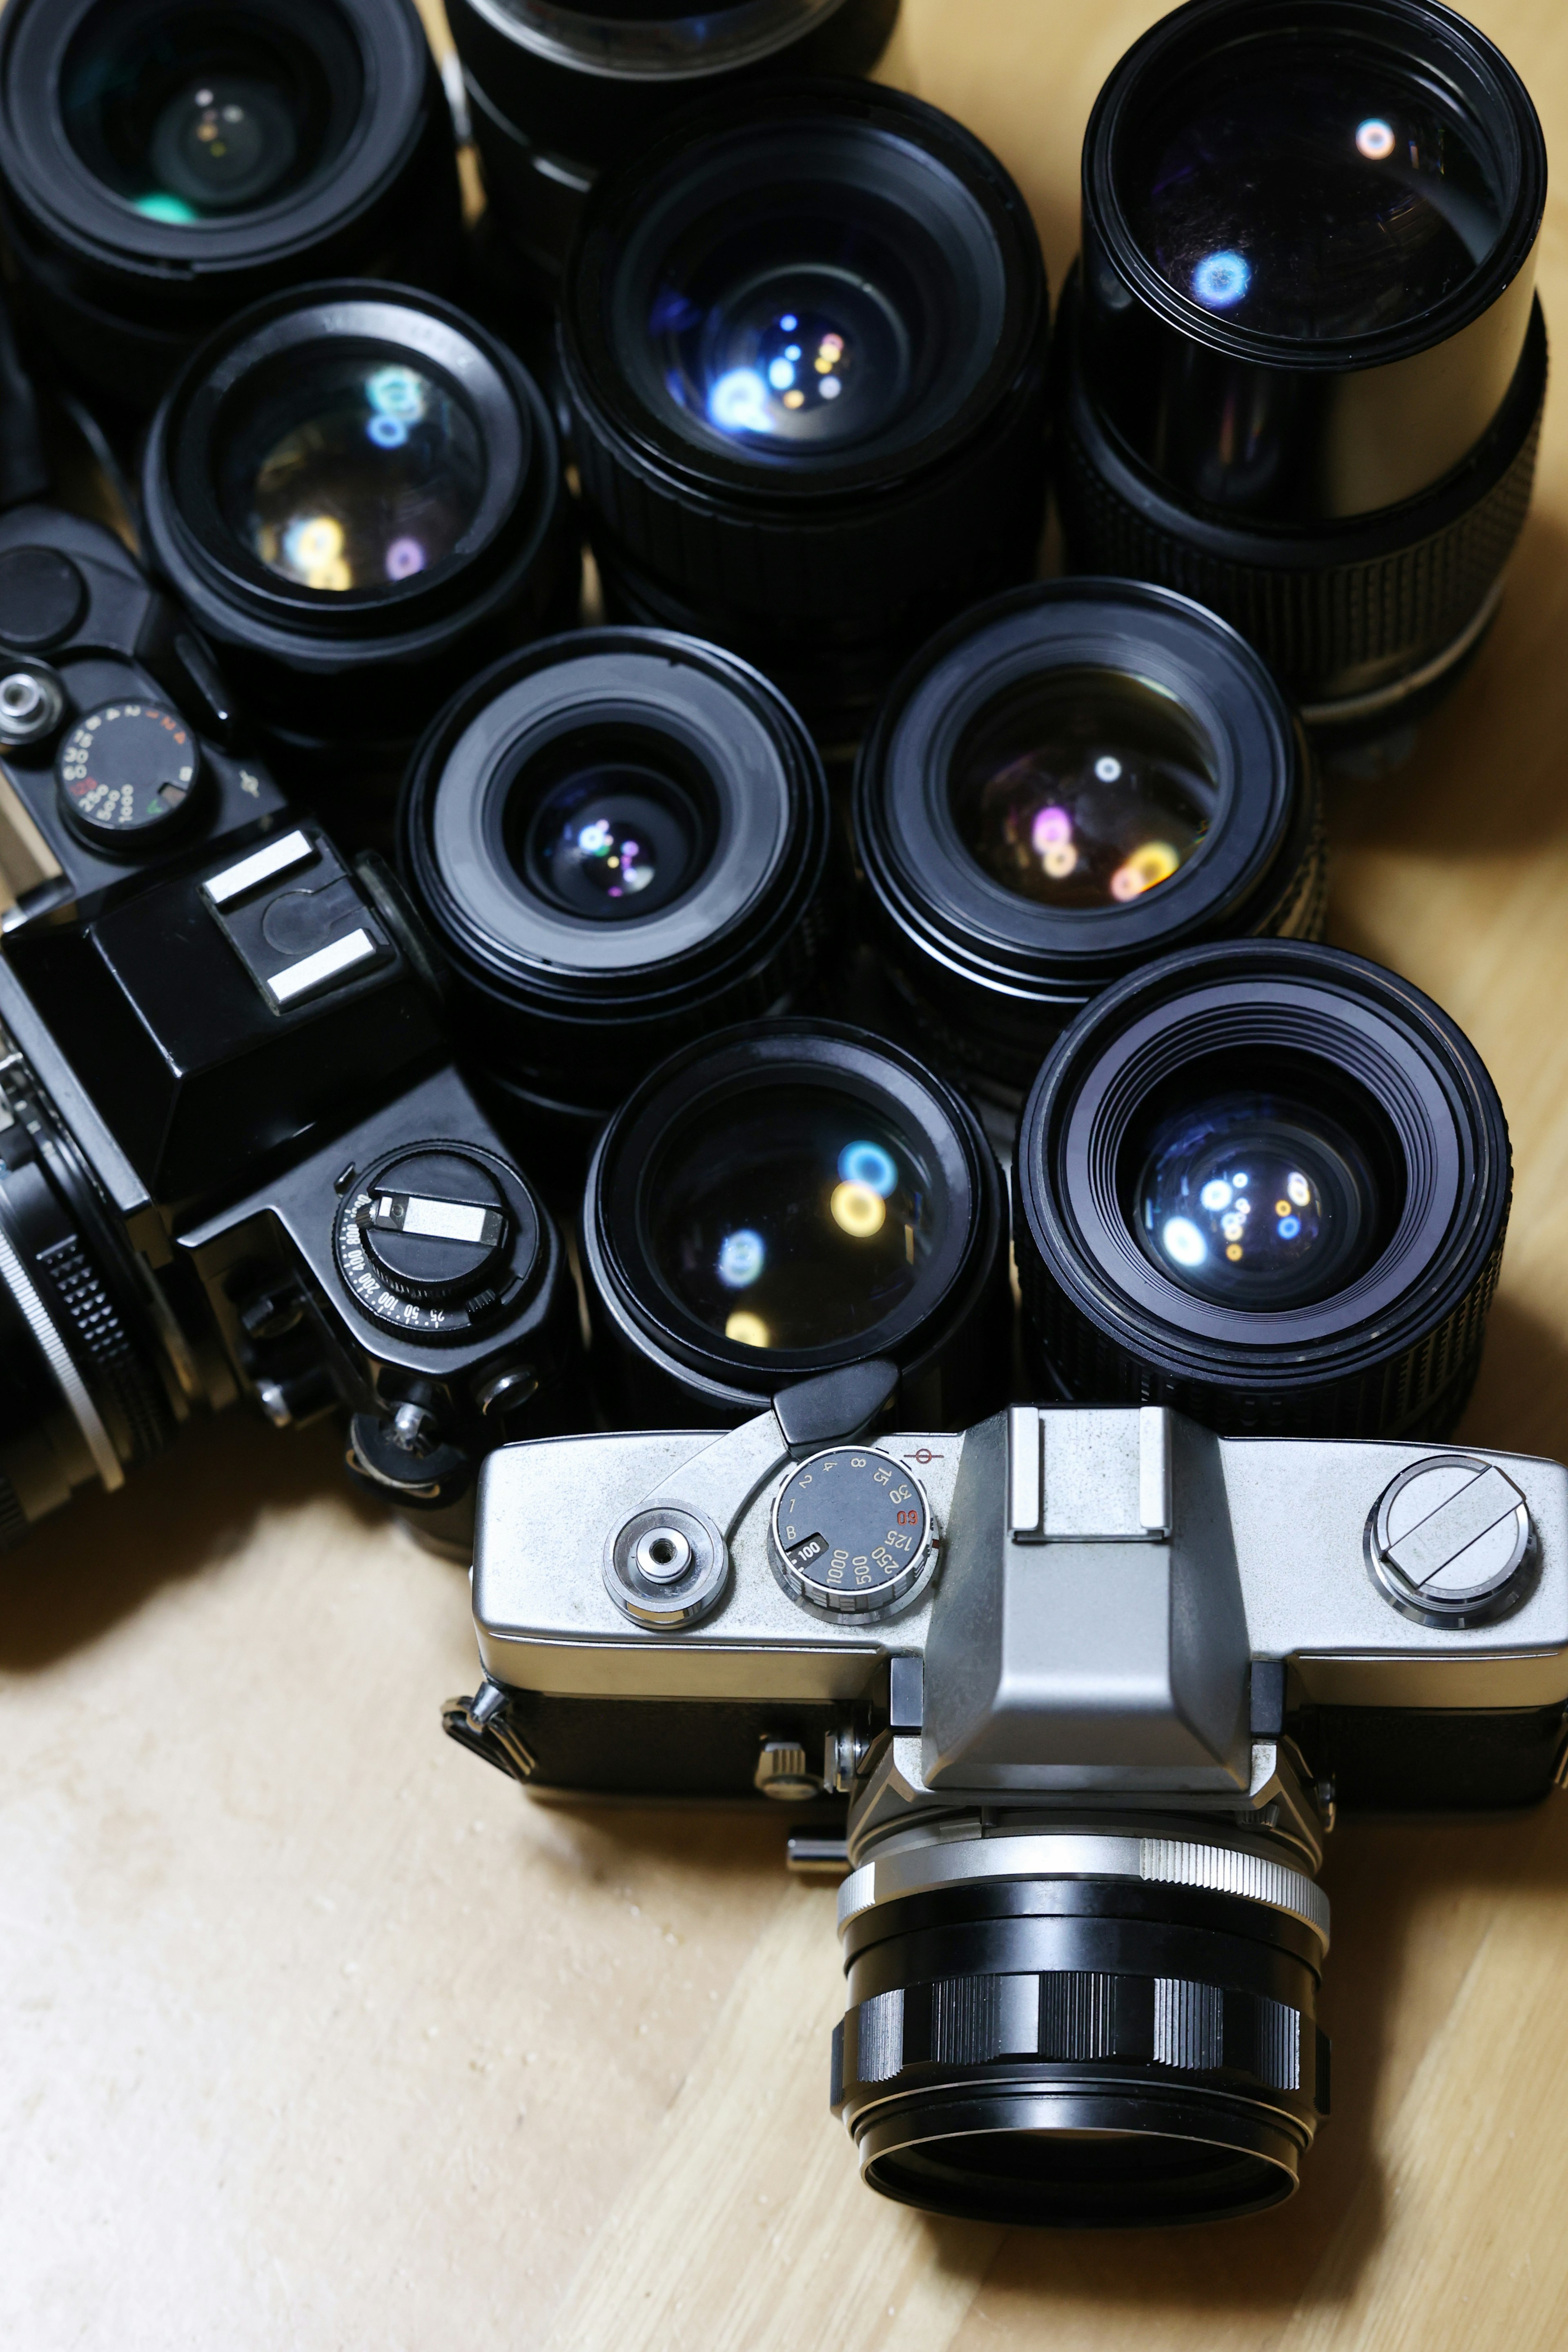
x: 126, y: 775
x: 851, y: 1530
x: 437, y: 1239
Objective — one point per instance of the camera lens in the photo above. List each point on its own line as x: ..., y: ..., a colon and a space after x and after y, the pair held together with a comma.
x: 802, y: 339
x: 358, y: 493
x: 1065, y: 783
x: 557, y: 90
x: 84, y: 1392
x: 1083, y: 2028
x: 166, y: 162
x: 620, y: 839
x: 1268, y: 1183
x: 1300, y: 367
x: 783, y: 1200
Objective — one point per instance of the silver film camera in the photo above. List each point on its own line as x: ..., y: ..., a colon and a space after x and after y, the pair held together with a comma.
x: 1089, y: 1682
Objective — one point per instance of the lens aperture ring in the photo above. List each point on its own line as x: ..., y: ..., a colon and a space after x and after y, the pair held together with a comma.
x: 127, y: 1388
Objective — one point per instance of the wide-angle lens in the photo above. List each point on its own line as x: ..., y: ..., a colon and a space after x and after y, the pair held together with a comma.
x: 803, y: 341
x: 358, y: 492
x: 558, y: 91
x: 1067, y: 783
x: 1301, y: 365
x: 620, y: 838
x: 1268, y: 1183
x: 167, y: 162
x: 786, y: 1199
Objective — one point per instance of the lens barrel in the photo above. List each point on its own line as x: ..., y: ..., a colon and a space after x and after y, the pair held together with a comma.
x: 783, y: 1200
x: 164, y: 163
x: 620, y: 839
x: 1300, y: 367
x: 1087, y: 2026
x: 1065, y: 783
x: 803, y: 340
x: 1267, y: 1184
x: 82, y: 1395
x: 358, y: 493
x: 557, y: 92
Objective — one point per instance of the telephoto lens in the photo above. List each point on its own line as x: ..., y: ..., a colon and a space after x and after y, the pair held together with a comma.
x: 557, y: 90
x: 791, y: 1198
x: 1064, y: 784
x: 164, y: 163
x: 1301, y: 371
x: 358, y: 493
x: 1264, y: 1182
x: 803, y: 340
x: 620, y: 840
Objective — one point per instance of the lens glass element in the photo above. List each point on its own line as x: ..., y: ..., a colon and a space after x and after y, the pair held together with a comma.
x: 193, y: 114
x: 614, y: 841
x: 1310, y: 191
x: 349, y: 474
x: 1082, y: 788
x: 1258, y: 1201
x: 796, y: 1219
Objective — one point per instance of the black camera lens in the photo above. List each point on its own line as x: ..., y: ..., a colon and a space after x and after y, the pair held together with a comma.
x: 1065, y: 783
x: 803, y: 341
x: 90, y: 1368
x: 558, y: 90
x: 620, y: 839
x: 358, y: 492
x: 1300, y: 369
x: 783, y: 1200
x: 1264, y: 1182
x: 165, y: 163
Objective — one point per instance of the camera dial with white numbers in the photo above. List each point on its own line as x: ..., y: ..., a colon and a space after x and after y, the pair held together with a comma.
x: 851, y: 1530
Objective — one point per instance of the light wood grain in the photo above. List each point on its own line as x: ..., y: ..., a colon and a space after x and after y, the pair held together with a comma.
x: 315, y: 2035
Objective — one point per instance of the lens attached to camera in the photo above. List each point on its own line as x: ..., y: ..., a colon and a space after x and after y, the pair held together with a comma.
x: 167, y: 162
x: 620, y: 839
x: 803, y: 342
x: 1301, y: 365
x: 1065, y: 783
x: 1268, y: 1182
x: 358, y: 493
x: 557, y: 91
x: 786, y: 1198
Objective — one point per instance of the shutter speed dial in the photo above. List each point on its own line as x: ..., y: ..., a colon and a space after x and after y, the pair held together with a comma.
x: 126, y: 774
x: 435, y: 1239
x: 851, y: 1530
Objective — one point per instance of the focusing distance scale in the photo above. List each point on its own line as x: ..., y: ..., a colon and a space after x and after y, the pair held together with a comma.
x: 1300, y: 367
x: 802, y: 339
x: 1267, y: 1182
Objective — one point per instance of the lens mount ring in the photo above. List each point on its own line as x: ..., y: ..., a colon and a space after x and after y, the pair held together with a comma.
x: 1375, y: 1358
x: 944, y: 1320
x: 681, y: 46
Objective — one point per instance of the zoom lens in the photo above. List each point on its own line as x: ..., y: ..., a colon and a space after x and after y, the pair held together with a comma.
x: 1108, y: 2026
x: 786, y: 1198
x: 803, y: 341
x: 1301, y: 369
x: 83, y: 1394
x: 1267, y: 1184
x: 358, y: 493
x: 620, y: 839
x: 165, y: 163
x: 1065, y: 783
x: 557, y: 91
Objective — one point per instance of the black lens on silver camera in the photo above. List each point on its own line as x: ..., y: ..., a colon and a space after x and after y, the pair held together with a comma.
x: 557, y: 90
x: 1268, y: 1183
x: 802, y: 339
x: 358, y: 493
x: 783, y: 1200
x: 165, y: 162
x: 1301, y: 368
x: 620, y: 839
x: 1066, y: 783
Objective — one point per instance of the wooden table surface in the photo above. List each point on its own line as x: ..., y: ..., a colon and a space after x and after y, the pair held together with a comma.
x: 315, y: 2033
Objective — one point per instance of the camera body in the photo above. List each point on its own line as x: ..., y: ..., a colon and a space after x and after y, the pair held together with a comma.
x: 236, y: 1157
x: 1088, y: 1678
